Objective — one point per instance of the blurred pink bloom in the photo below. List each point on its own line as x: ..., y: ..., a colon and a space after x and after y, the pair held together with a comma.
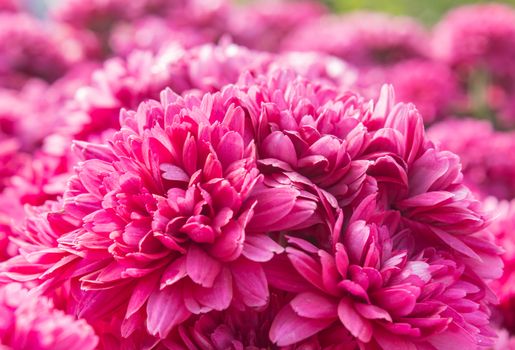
x: 477, y: 37
x: 30, y: 48
x: 363, y: 39
x: 31, y: 322
x: 107, y: 18
x: 96, y: 15
x: 31, y: 172
x: 478, y: 42
x: 262, y: 25
x: 485, y: 155
x: 430, y: 86
x: 153, y: 34
x: 9, y: 5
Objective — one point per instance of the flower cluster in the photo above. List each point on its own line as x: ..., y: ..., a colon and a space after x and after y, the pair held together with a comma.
x: 195, y: 175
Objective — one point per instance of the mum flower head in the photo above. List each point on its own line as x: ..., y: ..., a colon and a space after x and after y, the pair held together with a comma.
x: 325, y: 218
x: 103, y: 18
x: 30, y: 322
x: 477, y: 37
x: 363, y: 39
x: 478, y: 43
x: 389, y: 216
x: 30, y: 48
x: 264, y: 25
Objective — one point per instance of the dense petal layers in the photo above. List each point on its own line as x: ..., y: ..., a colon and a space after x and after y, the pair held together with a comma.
x: 29, y: 322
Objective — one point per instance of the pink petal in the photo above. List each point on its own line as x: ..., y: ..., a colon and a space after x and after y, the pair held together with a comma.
x: 289, y: 328
x: 314, y: 305
x: 279, y: 146
x: 229, y: 244
x: 140, y: 293
x: 201, y: 268
x: 230, y: 148
x: 260, y: 248
x: 357, y: 325
x: 218, y: 297
x: 173, y: 173
x: 165, y: 310
x: 174, y: 272
x: 250, y: 282
x: 427, y: 199
x: 273, y: 204
x: 456, y: 243
x: 372, y: 312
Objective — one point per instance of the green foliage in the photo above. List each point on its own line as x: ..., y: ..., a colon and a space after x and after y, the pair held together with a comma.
x: 427, y: 11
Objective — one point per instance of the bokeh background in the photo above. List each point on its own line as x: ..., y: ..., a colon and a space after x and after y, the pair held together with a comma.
x: 427, y: 11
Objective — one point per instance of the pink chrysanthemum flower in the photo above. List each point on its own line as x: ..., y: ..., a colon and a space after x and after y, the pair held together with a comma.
x: 410, y: 234
x: 30, y: 48
x: 263, y: 25
x: 102, y: 17
x: 206, y: 204
x: 477, y: 36
x: 31, y: 170
x: 25, y: 120
x: 183, y: 222
x: 478, y: 41
x: 485, y: 154
x: 363, y: 39
x: 32, y: 322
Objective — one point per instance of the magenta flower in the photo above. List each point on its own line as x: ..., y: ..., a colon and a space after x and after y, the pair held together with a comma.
x: 478, y: 42
x: 374, y: 277
x: 322, y: 217
x: 477, y: 37
x: 363, y: 39
x: 30, y: 48
x: 263, y: 25
x: 485, y: 155
x: 103, y: 18
x: 184, y: 228
x: 31, y: 322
